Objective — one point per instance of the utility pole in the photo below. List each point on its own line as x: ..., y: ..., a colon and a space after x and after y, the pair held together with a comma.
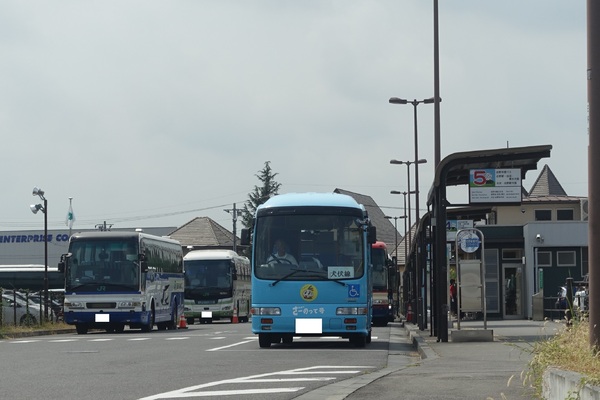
x: 233, y: 212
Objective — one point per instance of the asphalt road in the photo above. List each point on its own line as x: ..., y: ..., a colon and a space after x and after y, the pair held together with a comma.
x: 219, y: 360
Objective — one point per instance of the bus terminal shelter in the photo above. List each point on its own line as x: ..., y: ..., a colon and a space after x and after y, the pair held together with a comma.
x: 427, y: 261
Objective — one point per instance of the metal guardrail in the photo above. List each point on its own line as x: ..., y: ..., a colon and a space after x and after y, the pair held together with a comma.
x: 20, y: 307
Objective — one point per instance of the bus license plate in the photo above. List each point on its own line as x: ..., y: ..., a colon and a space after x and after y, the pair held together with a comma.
x: 102, y: 317
x: 309, y: 325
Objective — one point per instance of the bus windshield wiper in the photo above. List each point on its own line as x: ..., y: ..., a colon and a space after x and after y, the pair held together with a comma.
x: 294, y: 272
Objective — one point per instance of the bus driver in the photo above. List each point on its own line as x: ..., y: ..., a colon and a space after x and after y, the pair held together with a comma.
x: 280, y: 255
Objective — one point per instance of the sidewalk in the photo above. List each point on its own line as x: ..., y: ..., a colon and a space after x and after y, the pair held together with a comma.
x: 463, y: 370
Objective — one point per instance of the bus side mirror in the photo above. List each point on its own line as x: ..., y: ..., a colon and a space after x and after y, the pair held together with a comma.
x: 64, y: 259
x: 245, y: 237
x: 394, y: 261
x: 143, y: 262
x: 371, y: 234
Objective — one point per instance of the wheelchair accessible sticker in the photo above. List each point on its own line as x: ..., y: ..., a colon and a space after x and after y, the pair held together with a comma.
x: 353, y: 291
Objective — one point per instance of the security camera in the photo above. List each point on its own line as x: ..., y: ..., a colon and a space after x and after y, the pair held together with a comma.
x: 522, y: 210
x: 538, y: 236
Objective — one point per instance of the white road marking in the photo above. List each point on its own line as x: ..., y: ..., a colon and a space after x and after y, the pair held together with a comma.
x: 177, y: 338
x: 195, y: 391
x: 228, y: 346
x: 139, y: 339
x: 100, y: 340
x: 62, y: 340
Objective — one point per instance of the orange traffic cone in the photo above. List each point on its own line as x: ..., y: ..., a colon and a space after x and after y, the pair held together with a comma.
x: 234, y: 319
x: 182, y: 323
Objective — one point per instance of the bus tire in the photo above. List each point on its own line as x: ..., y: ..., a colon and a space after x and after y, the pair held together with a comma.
x: 264, y: 340
x: 359, y: 341
x: 172, y: 324
x: 81, y: 329
x: 150, y: 325
x: 369, y: 337
x: 189, y: 320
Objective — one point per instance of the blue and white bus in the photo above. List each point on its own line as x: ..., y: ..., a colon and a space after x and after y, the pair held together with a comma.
x: 311, y: 273
x: 113, y: 279
x: 217, y: 286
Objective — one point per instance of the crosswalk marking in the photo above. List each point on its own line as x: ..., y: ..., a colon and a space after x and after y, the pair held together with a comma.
x: 272, y: 377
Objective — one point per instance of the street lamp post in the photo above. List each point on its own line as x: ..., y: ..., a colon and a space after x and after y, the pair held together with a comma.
x: 405, y: 243
x: 408, y: 164
x: 415, y: 103
x: 44, y: 208
x: 396, y: 231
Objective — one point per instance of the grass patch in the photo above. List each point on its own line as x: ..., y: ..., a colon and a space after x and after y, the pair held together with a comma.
x: 569, y: 350
x: 12, y: 330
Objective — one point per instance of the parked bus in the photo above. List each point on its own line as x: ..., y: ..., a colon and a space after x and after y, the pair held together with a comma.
x: 316, y: 280
x: 217, y: 286
x: 384, y: 279
x: 113, y: 279
x: 30, y: 277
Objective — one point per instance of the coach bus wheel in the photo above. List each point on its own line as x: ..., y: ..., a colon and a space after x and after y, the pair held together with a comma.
x: 189, y: 320
x: 264, y: 340
x: 369, y: 337
x: 81, y: 329
x: 119, y: 328
x: 148, y: 328
x: 287, y: 339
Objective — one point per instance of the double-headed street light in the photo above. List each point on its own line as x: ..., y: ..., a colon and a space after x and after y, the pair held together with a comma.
x: 396, y: 231
x: 416, y: 192
x: 44, y: 208
x: 415, y: 103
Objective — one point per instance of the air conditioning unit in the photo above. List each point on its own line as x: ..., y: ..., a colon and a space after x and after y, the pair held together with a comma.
x: 584, y: 209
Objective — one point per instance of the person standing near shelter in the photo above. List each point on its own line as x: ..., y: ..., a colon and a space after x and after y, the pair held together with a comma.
x: 453, y: 298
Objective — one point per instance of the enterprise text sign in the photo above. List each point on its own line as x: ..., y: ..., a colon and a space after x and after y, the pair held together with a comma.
x: 495, y: 185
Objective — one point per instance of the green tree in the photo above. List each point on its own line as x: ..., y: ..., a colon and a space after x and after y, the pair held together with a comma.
x: 269, y: 187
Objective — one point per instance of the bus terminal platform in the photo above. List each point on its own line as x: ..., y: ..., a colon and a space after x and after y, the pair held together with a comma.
x: 450, y: 370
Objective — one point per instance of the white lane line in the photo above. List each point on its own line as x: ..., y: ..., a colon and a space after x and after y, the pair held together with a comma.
x: 62, y: 340
x: 228, y: 346
x: 239, y: 392
x: 100, y: 340
x: 139, y: 339
x: 178, y: 338
x: 217, y: 338
x: 24, y: 341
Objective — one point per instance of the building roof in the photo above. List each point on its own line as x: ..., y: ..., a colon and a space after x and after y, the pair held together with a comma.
x: 546, y: 184
x: 203, y: 232
x: 385, y: 228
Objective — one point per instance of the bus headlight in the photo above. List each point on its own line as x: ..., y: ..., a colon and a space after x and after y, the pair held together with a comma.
x: 73, y: 304
x: 351, y: 311
x: 129, y: 304
x: 266, y: 311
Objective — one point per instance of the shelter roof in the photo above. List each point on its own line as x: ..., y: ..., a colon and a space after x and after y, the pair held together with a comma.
x: 454, y: 170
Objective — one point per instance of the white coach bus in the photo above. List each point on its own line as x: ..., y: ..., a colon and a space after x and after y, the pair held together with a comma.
x: 217, y: 286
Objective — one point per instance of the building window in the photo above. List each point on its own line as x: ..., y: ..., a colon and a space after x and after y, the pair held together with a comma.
x: 512, y: 254
x: 543, y: 215
x: 565, y: 258
x: 564, y: 214
x: 544, y: 259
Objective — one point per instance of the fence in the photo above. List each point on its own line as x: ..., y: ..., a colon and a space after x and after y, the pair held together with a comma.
x: 26, y: 309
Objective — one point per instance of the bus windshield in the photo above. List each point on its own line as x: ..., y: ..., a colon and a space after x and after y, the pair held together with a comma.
x: 201, y: 274
x: 313, y: 247
x: 103, y: 265
x: 380, y: 270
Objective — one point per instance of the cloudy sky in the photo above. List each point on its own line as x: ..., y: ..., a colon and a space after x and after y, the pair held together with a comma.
x: 152, y: 113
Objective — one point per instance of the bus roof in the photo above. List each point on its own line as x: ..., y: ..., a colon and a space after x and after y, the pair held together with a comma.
x: 119, y: 234
x: 211, y: 255
x: 312, y: 199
